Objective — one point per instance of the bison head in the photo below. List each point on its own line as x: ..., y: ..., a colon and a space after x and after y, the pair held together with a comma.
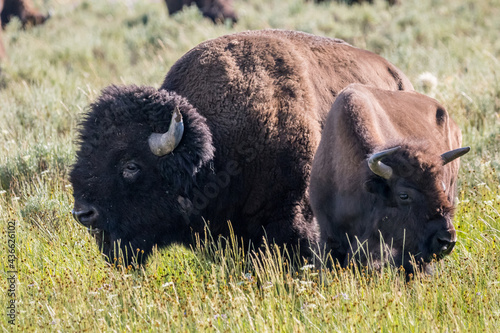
x: 411, y: 207
x: 140, y: 154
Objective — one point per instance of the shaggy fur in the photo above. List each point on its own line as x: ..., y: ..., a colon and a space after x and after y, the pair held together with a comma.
x: 24, y: 10
x: 348, y: 199
x: 139, y: 212
x: 217, y: 10
x: 253, y: 104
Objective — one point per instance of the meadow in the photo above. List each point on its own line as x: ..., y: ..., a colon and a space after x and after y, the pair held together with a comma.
x: 61, y: 282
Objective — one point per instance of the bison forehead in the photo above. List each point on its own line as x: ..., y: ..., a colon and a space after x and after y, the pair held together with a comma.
x: 115, y: 136
x: 423, y: 168
x: 123, y: 118
x: 119, y: 106
x: 117, y: 128
x: 415, y: 161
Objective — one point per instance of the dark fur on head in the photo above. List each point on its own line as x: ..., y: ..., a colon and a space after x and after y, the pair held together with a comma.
x: 420, y: 166
x: 408, y: 227
x: 120, y: 122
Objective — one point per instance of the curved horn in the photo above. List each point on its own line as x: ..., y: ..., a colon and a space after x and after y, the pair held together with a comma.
x: 164, y: 143
x: 454, y: 154
x: 379, y: 168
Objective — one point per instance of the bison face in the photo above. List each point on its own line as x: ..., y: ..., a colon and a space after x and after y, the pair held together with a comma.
x: 127, y: 188
x: 411, y: 212
x: 117, y: 194
x: 410, y: 223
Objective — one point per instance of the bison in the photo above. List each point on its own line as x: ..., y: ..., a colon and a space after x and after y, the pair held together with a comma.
x: 229, y: 136
x: 384, y: 176
x: 217, y: 10
x: 24, y: 10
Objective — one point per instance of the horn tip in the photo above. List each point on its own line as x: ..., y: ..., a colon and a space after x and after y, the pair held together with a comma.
x: 178, y: 115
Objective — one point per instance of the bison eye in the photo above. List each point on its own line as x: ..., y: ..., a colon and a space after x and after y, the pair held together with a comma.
x: 403, y: 196
x: 130, y: 171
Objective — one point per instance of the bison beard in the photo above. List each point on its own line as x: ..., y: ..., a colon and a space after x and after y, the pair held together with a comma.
x: 396, y: 204
x: 253, y: 105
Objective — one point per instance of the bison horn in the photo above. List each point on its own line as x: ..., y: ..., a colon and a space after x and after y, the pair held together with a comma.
x: 164, y: 143
x: 454, y: 154
x: 379, y: 168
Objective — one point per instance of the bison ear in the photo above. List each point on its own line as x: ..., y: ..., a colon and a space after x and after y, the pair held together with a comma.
x: 180, y: 170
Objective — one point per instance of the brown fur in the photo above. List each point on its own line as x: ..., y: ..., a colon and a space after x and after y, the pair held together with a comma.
x: 217, y: 10
x: 262, y: 98
x: 24, y: 10
x: 278, y: 85
x: 365, y: 120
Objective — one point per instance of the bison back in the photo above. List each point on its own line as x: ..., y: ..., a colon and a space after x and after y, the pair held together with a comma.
x: 265, y: 96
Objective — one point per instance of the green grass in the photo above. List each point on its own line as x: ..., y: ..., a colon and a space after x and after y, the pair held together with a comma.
x: 56, y: 70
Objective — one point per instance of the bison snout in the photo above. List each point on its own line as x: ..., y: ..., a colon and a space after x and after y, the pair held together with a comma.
x: 86, y: 215
x: 444, y: 243
x: 445, y: 246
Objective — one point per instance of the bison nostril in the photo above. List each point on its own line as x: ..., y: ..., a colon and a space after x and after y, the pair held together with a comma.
x: 87, y: 216
x: 446, y: 245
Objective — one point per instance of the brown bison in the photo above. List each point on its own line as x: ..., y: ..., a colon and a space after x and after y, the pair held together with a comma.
x: 384, y: 176
x: 217, y: 10
x: 229, y: 136
x: 22, y: 9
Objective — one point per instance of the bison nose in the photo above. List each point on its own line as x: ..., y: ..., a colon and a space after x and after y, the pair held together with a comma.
x: 86, y: 215
x: 445, y: 242
x: 445, y: 245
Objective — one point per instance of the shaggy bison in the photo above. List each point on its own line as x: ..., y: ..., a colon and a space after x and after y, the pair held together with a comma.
x: 383, y: 179
x: 229, y: 136
x: 24, y: 10
x: 217, y: 10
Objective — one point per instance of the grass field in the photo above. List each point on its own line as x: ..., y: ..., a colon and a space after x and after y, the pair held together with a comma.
x: 61, y: 283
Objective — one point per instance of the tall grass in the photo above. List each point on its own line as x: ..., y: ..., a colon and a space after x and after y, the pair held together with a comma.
x: 63, y: 284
